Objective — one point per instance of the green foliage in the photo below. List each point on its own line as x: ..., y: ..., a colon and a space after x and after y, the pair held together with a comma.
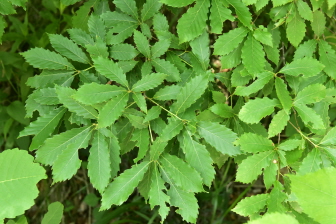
x: 156, y: 91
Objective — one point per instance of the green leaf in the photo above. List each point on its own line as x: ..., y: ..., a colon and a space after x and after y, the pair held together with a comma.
x: 112, y: 19
x: 199, y: 158
x: 276, y: 198
x: 142, y: 44
x: 6, y: 8
x: 263, y: 78
x: 160, y: 47
x: 98, y: 49
x: 327, y: 58
x: 167, y: 93
x: 227, y: 42
x: 304, y: 10
x: 99, y: 163
x: 308, y: 67
x: 95, y: 93
x: 193, y: 22
x: 65, y: 96
x: 290, y: 144
x: 275, y: 218
x: 43, y: 127
x: 142, y: 138
x: 219, y: 14
x: 121, y: 187
x: 331, y: 3
x: 311, y: 94
x: 242, y: 12
x: 263, y: 36
x: 157, y: 196
x: 54, y: 214
x: 278, y: 123
x: 157, y: 148
x: 128, y: 7
x: 80, y: 37
x: 309, y: 115
x: 48, y: 78
x: 249, y: 169
x: 96, y: 27
x: 17, y: 171
x: 259, y: 107
x: 149, y: 9
x: 175, y: 3
x: 140, y: 100
x: 68, y: 48
x: 319, y: 22
x: 112, y: 110
x: 182, y: 175
x: 67, y: 162
x: 253, y: 56
x: 123, y: 52
x: 172, y: 129
x: 251, y: 205
x: 222, y: 110
x: 316, y: 195
x: 45, y: 59
x: 218, y: 136
x: 329, y: 138
x: 148, y: 82
x: 110, y: 70
x: 283, y: 94
x: 168, y: 68
x: 16, y: 111
x: 47, y: 96
x: 3, y: 25
x: 305, y: 49
x: 191, y: 92
x: 153, y: 113
x: 67, y: 3
x: 232, y: 59
x: 296, y: 29
x: 81, y: 18
x: 200, y: 48
x: 253, y: 143
x: 311, y: 163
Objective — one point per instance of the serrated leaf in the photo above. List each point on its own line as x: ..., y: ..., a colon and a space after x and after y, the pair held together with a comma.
x: 311, y: 94
x: 278, y: 123
x: 45, y: 59
x: 222, y: 110
x: 128, y: 7
x: 69, y: 2
x: 141, y: 136
x: 218, y: 136
x: 157, y: 148
x: 140, y: 100
x: 290, y: 144
x: 305, y: 49
x: 227, y: 42
x: 263, y: 78
x: 123, y: 52
x: 65, y: 96
x: 43, y: 127
x: 167, y: 93
x: 27, y: 174
x: 329, y: 138
x: 148, y: 82
x: 311, y: 163
x: 175, y: 3
x: 193, y: 22
x: 242, y: 12
x: 308, y: 67
x: 54, y: 214
x: 200, y: 48
x: 251, y: 167
x: 260, y: 107
x: 96, y: 27
x: 98, y: 49
x: 82, y: 15
x: 67, y: 162
x: 99, y: 163
x: 283, y: 94
x: 182, y: 175
x: 253, y: 56
x: 276, y: 198
x: 95, y: 93
x: 112, y: 110
x: 112, y: 19
x: 327, y: 58
x: 253, y: 143
x: 121, y: 188
x: 171, y: 130
x: 275, y: 218
x: 6, y: 8
x: 296, y: 29
x: 80, y: 37
x: 263, y: 36
x: 319, y: 22
x: 142, y: 43
x: 191, y: 92
x: 199, y: 158
x: 270, y: 175
x: 219, y: 14
x: 2, y: 27
x: 315, y: 194
x: 68, y: 48
x: 47, y: 96
x: 160, y: 47
x: 153, y: 113
x: 251, y: 205
x: 309, y: 115
x: 110, y: 70
x: 149, y: 9
x: 304, y: 10
x: 157, y: 196
x: 123, y: 31
x: 168, y: 68
x: 232, y: 59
